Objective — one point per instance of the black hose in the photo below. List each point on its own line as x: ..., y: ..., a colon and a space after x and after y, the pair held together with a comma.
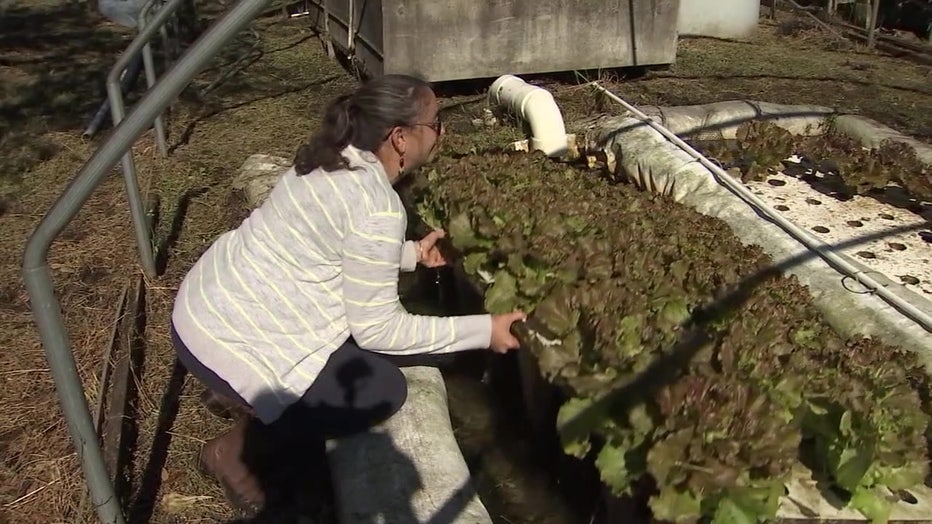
x: 126, y: 84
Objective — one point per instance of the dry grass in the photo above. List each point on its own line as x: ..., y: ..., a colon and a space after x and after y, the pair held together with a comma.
x: 269, y: 107
x: 54, y: 61
x: 791, y: 61
x: 37, y: 477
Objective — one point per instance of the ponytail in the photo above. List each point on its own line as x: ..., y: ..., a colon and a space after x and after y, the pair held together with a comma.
x: 336, y: 132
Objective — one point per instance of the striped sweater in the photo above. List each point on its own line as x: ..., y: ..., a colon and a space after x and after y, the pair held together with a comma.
x: 316, y: 263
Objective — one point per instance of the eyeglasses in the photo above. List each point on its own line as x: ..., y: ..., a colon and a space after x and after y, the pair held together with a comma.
x: 436, y: 125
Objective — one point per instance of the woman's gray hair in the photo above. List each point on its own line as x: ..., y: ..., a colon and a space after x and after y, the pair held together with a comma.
x: 363, y: 119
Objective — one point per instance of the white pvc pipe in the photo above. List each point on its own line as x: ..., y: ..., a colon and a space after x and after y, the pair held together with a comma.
x: 536, y: 106
x: 839, y: 263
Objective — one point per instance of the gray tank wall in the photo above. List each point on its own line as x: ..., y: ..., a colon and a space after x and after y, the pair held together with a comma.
x: 461, y: 39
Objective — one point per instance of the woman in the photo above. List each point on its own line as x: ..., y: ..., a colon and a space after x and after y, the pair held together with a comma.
x: 291, y: 316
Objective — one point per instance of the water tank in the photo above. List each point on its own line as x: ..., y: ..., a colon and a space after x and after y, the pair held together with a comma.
x: 460, y: 39
x: 718, y: 18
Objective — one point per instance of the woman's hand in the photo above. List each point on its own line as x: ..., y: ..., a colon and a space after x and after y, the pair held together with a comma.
x: 428, y: 254
x: 502, y: 338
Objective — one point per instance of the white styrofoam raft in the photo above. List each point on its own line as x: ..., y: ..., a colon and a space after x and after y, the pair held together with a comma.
x: 806, y: 501
x: 901, y: 252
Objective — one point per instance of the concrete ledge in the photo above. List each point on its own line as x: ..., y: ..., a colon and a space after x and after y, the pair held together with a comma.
x: 408, y: 470
x: 257, y: 176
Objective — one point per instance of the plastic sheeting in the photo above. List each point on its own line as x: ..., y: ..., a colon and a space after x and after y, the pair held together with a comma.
x: 722, y: 119
x: 649, y: 160
x: 122, y: 12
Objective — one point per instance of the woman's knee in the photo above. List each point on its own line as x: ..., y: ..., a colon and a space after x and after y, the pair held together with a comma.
x: 357, y: 388
x: 375, y: 382
x: 395, y: 385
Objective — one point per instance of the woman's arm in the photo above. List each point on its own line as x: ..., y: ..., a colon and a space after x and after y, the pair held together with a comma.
x: 376, y: 318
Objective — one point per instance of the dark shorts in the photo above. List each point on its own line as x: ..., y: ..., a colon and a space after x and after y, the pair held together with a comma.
x: 355, y: 390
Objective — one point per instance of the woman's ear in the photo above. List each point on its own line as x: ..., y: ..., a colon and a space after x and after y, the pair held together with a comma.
x: 397, y: 138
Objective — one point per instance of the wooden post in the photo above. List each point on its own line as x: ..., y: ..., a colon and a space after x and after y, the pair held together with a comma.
x: 871, y: 32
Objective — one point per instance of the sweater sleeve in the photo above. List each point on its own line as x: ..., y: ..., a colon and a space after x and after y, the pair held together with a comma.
x: 376, y: 318
x: 409, y: 256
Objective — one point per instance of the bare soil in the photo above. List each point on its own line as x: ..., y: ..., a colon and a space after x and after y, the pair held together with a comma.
x: 263, y: 95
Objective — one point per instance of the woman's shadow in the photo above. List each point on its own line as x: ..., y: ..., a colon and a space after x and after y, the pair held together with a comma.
x: 289, y: 459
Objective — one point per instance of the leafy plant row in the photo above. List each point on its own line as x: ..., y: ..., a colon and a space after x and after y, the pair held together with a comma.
x: 688, y: 359
x: 763, y: 147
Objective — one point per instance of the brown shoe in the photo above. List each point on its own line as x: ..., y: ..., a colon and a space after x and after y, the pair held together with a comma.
x: 222, y: 459
x: 223, y: 406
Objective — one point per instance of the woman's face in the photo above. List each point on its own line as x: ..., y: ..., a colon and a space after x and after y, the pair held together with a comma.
x: 424, y: 134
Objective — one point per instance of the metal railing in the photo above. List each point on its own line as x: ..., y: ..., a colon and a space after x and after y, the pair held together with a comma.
x: 149, y: 66
x: 117, y: 109
x: 46, y: 308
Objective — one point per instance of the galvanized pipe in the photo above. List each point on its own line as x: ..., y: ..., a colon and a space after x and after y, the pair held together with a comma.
x: 872, y: 31
x: 45, y: 306
x: 151, y: 78
x: 117, y: 110
x: 350, y: 44
x: 166, y: 41
x: 127, y: 81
